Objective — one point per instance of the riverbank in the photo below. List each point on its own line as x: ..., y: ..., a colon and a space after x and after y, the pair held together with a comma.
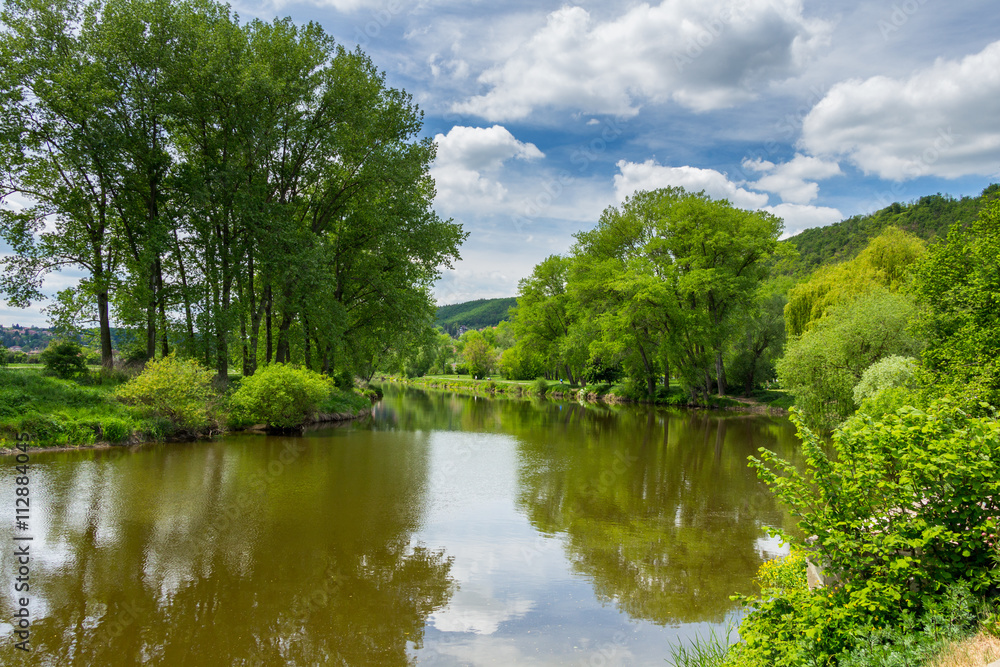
x: 62, y: 415
x: 771, y: 402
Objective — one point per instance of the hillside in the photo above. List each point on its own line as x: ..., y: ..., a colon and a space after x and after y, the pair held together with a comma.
x: 928, y: 217
x: 474, y: 314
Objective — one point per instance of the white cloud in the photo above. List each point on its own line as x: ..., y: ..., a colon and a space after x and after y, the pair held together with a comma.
x: 941, y: 121
x: 701, y: 54
x: 468, y: 163
x: 648, y: 175
x: 798, y: 217
x: 793, y: 181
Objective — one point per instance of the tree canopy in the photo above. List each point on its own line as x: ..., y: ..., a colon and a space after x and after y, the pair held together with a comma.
x: 222, y: 185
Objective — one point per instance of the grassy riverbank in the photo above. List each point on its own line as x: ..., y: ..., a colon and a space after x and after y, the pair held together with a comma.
x: 771, y: 401
x: 86, y: 411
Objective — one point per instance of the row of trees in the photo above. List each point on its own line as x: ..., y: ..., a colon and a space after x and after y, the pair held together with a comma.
x: 675, y: 285
x: 242, y: 193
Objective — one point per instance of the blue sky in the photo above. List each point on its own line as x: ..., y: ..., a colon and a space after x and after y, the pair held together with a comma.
x: 547, y: 113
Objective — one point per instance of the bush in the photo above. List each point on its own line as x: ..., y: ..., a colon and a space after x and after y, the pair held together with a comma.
x: 179, y: 390
x: 909, y: 504
x: 64, y: 358
x: 539, y: 387
x: 889, y: 373
x: 3, y: 357
x: 280, y: 396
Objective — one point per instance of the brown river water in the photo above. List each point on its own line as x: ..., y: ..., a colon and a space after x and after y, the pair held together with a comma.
x: 443, y: 530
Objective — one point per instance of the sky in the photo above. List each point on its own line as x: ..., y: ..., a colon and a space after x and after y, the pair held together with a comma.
x: 547, y: 113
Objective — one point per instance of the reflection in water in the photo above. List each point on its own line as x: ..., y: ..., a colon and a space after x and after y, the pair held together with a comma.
x: 659, y: 508
x: 444, y: 530
x: 263, y: 551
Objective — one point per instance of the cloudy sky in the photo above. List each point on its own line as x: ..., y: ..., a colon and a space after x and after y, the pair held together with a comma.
x: 546, y: 113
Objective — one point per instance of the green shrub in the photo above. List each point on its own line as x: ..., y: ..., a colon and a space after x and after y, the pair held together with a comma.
x: 907, y: 506
x: 64, y: 358
x: 889, y: 373
x: 179, y: 390
x: 280, y: 395
x: 539, y: 386
x: 3, y: 357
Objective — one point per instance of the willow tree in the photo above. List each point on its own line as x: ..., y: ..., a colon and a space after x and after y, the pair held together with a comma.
x: 680, y: 265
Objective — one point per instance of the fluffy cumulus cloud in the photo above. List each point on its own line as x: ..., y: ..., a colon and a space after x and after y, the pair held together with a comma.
x: 703, y: 54
x: 797, y: 216
x: 468, y: 164
x: 940, y: 121
x: 648, y: 175
x: 794, y: 181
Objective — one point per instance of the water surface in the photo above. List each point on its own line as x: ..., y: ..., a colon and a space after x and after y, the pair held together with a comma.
x: 445, y: 530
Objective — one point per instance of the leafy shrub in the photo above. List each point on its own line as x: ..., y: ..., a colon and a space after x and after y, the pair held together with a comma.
x: 3, y: 357
x: 822, y: 367
x: 889, y: 373
x: 280, y: 395
x: 539, y: 386
x: 64, y: 358
x: 909, y: 504
x: 179, y: 390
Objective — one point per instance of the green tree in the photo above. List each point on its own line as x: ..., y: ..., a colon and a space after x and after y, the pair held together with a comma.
x: 885, y: 263
x: 545, y: 313
x: 677, y: 268
x: 958, y: 288
x: 822, y: 367
x: 479, y: 355
x: 64, y: 358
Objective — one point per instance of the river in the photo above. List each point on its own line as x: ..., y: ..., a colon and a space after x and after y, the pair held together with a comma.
x: 444, y: 530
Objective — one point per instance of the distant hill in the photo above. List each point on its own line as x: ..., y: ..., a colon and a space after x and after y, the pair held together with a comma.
x: 474, y: 314
x: 928, y: 217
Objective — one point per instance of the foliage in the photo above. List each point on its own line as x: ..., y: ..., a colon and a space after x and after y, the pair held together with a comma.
x: 759, y: 340
x: 221, y: 185
x: 474, y: 314
x: 822, y: 367
x: 906, y: 507
x: 116, y: 430
x: 479, y: 355
x: 64, y: 358
x: 888, y: 373
x: 958, y: 288
x: 3, y: 357
x: 280, y: 396
x: 179, y: 390
x: 664, y: 277
x: 521, y: 362
x: 885, y: 263
x: 928, y: 218
x: 539, y: 387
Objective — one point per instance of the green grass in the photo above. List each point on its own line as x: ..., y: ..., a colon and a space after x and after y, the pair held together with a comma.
x: 345, y: 402
x: 775, y: 398
x: 62, y: 412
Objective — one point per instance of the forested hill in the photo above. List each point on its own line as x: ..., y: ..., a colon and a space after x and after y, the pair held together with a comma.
x: 474, y: 314
x: 929, y: 218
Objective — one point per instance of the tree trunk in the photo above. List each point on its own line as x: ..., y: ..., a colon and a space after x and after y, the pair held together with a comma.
x: 284, y: 351
x: 161, y: 301
x: 107, y: 354
x: 569, y: 374
x: 720, y: 373
x: 269, y: 351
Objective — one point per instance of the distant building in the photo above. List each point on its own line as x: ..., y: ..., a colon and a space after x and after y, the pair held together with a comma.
x: 16, y: 348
